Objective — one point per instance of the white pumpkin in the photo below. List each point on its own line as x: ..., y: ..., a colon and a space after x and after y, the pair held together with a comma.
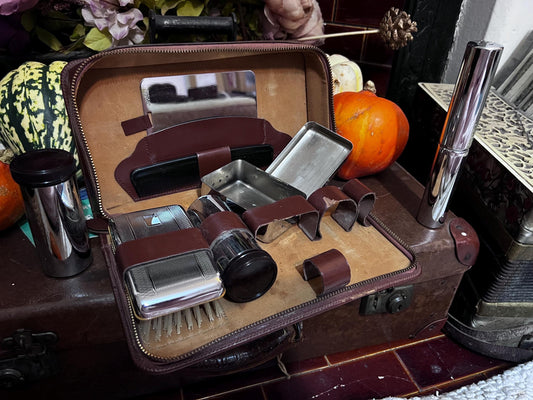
x: 346, y: 74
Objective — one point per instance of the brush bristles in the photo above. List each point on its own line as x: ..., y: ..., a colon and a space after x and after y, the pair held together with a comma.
x: 173, y: 323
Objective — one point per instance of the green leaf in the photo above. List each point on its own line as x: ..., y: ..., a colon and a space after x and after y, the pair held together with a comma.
x: 28, y: 20
x: 190, y: 8
x: 48, y: 38
x: 150, y: 4
x: 168, y: 5
x: 79, y: 32
x: 97, y: 40
x: 56, y: 21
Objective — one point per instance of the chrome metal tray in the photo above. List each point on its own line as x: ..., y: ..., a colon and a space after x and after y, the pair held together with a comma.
x: 311, y: 158
x: 246, y: 185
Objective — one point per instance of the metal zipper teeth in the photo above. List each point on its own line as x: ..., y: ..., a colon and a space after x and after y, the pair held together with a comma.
x: 289, y: 310
x: 169, y: 50
x: 164, y: 49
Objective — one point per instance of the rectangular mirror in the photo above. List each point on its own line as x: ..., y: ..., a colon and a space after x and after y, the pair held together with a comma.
x: 172, y: 100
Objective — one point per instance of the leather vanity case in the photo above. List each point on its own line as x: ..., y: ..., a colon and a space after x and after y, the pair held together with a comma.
x: 354, y: 265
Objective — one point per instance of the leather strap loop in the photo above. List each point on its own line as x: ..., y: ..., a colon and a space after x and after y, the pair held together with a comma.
x: 270, y: 221
x: 216, y: 224
x: 150, y: 248
x: 135, y: 125
x: 466, y: 241
x: 332, y: 268
x: 363, y: 196
x: 212, y: 159
x: 327, y: 197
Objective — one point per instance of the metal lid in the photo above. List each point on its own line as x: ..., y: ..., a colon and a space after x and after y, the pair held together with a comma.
x: 46, y: 167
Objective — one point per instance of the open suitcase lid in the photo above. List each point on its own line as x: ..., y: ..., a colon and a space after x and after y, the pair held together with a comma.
x: 103, y: 91
x: 293, y: 87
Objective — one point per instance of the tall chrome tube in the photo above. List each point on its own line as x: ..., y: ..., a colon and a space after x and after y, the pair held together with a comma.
x: 470, y: 94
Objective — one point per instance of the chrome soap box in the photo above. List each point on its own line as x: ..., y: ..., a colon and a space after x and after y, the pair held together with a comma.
x: 167, y: 284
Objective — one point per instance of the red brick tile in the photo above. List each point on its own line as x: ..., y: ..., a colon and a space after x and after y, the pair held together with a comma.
x: 348, y: 46
x: 360, y: 353
x: 298, y: 367
x: 376, y: 51
x: 452, y: 385
x: 364, y: 12
x: 254, y: 393
x: 327, y: 8
x: 372, y: 377
x: 231, y: 382
x: 437, y: 361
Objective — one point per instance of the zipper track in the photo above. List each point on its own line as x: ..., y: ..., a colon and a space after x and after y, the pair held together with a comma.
x: 171, y: 49
x: 174, y: 49
x: 317, y: 300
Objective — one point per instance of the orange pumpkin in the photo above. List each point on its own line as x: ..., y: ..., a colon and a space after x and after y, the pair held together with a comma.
x: 11, y: 202
x: 377, y: 128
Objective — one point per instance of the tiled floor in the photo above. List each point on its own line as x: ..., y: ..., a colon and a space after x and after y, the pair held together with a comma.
x: 404, y: 370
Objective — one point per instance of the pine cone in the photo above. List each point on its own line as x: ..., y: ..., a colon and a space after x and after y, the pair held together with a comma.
x: 396, y: 28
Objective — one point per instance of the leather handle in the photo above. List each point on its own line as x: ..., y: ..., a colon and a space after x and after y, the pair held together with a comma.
x: 250, y: 354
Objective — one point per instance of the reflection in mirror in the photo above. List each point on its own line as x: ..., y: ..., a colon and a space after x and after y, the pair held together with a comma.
x: 172, y: 100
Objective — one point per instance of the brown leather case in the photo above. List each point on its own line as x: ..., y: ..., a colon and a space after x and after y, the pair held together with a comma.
x: 293, y: 87
x: 91, y: 346
x: 386, y: 249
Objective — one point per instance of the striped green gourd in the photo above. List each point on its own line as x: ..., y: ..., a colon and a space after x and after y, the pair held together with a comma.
x: 32, y: 109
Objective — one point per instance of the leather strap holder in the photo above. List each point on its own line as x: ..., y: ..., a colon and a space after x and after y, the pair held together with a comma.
x: 269, y: 221
x: 196, y: 137
x: 466, y: 241
x: 135, y: 125
x: 364, y: 198
x: 216, y: 224
x: 328, y: 197
x: 210, y: 160
x: 140, y: 251
x: 332, y: 269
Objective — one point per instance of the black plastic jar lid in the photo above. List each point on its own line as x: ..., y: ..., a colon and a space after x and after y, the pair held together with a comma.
x: 46, y: 167
x: 249, y: 276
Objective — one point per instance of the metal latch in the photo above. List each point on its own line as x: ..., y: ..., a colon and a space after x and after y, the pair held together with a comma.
x: 25, y: 357
x: 392, y: 301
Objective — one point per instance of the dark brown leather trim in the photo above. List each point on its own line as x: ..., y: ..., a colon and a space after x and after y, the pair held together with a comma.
x: 220, y: 222
x: 332, y: 268
x: 250, y: 354
x: 193, y: 137
x: 327, y: 197
x: 140, y: 251
x: 97, y: 225
x: 364, y: 197
x: 135, y: 125
x: 212, y: 159
x: 466, y: 241
x: 259, y: 218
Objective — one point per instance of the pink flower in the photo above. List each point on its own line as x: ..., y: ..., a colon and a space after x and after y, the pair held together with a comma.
x: 122, y: 25
x: 292, y: 19
x: 8, y: 7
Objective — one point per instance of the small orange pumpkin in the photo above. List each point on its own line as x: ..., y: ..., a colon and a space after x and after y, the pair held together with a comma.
x: 11, y: 202
x: 377, y: 128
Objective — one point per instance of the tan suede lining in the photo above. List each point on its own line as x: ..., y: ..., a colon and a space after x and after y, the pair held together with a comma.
x: 292, y: 89
x: 368, y: 253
